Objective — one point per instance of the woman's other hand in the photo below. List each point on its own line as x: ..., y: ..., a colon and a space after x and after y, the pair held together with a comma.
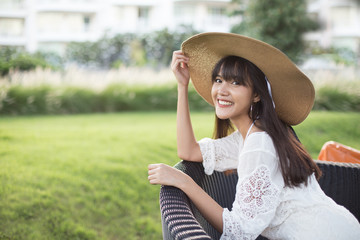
x: 180, y: 68
x: 165, y: 175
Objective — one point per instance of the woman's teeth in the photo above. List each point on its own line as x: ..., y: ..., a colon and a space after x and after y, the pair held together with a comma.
x: 225, y: 103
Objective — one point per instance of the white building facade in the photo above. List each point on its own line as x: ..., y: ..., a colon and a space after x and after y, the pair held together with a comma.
x: 340, y: 23
x: 49, y: 25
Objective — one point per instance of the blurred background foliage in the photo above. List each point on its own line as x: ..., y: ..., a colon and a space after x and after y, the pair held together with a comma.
x: 151, y: 50
x: 12, y: 58
x: 21, y: 100
x: 272, y: 21
x: 341, y: 56
x: 281, y: 25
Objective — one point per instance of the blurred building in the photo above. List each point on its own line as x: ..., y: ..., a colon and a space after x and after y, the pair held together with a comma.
x: 49, y: 25
x: 339, y: 21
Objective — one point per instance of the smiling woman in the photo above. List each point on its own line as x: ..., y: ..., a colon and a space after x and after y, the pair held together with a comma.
x: 277, y: 176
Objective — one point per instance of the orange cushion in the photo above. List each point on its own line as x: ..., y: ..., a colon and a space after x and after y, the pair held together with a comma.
x: 336, y: 152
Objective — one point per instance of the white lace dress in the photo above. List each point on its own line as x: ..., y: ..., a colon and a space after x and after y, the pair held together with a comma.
x: 263, y: 204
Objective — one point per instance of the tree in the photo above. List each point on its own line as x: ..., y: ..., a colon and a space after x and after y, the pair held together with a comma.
x: 152, y: 49
x: 159, y: 45
x: 102, y: 53
x: 18, y: 59
x: 281, y: 23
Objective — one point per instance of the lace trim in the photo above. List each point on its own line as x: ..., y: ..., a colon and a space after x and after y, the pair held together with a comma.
x: 256, y: 194
x: 232, y: 231
x: 221, y: 153
x: 207, y: 149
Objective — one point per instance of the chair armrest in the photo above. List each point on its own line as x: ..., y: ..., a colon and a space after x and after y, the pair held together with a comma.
x: 177, y: 211
x: 180, y: 218
x: 178, y: 221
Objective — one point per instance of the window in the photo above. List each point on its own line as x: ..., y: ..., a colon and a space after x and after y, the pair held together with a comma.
x: 341, y: 17
x: 143, y: 18
x: 12, y: 27
x: 184, y: 14
x: 60, y: 23
x: 217, y: 15
x: 144, y: 13
x: 87, y: 22
x: 217, y: 11
x: 12, y: 4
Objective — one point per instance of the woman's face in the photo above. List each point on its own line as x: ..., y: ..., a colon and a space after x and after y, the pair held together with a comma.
x: 231, y: 99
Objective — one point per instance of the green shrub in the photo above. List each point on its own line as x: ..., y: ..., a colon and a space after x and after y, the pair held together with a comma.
x: 117, y: 98
x: 20, y: 100
x: 156, y: 98
x: 333, y: 99
x: 18, y: 59
x: 78, y: 100
x: 4, y: 68
x: 27, y: 62
x: 28, y: 100
x: 197, y: 102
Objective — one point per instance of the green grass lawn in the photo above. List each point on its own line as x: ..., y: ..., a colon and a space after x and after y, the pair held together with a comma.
x: 85, y: 176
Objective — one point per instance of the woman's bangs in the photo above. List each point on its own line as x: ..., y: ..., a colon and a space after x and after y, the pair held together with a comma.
x: 231, y: 69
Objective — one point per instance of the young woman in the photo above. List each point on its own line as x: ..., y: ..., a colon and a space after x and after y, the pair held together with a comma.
x: 258, y: 91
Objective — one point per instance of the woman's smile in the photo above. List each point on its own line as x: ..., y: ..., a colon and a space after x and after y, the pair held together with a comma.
x: 224, y: 103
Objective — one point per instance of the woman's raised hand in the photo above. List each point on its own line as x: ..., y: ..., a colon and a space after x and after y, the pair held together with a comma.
x: 179, y: 67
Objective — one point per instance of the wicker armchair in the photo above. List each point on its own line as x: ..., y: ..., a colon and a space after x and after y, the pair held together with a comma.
x: 181, y: 219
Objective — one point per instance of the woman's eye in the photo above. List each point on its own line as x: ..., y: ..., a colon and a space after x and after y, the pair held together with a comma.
x: 236, y: 82
x: 218, y: 80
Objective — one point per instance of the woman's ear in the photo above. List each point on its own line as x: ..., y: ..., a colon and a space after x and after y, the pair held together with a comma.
x: 256, y: 98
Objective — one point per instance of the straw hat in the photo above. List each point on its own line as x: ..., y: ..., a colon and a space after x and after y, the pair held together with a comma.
x: 292, y: 91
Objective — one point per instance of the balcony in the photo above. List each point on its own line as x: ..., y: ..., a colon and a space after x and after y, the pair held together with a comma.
x: 135, y: 3
x: 12, y: 5
x: 13, y: 13
x: 12, y: 41
x: 68, y: 37
x: 68, y: 6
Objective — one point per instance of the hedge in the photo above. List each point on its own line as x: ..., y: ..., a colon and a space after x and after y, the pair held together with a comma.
x: 19, y: 100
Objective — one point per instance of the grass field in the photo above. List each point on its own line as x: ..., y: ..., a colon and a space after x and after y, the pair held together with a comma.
x: 85, y: 176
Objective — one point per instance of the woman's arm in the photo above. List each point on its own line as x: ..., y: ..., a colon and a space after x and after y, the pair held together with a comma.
x: 208, y: 207
x: 188, y: 148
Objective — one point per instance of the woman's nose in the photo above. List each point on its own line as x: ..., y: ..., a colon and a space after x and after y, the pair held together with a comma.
x: 223, y: 89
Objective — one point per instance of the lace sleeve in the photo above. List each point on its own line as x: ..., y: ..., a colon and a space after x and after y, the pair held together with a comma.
x: 257, y: 197
x: 220, y: 154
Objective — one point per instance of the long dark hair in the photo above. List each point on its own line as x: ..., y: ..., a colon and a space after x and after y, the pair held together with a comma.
x: 295, y: 162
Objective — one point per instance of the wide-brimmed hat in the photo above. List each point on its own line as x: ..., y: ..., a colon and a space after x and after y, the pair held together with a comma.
x: 292, y: 91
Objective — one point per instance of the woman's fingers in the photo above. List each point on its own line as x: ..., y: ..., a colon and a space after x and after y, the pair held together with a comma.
x: 153, y: 166
x: 178, y: 57
x: 179, y: 67
x: 153, y: 175
x: 152, y: 169
x: 159, y: 174
x: 179, y: 62
x: 179, y: 54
